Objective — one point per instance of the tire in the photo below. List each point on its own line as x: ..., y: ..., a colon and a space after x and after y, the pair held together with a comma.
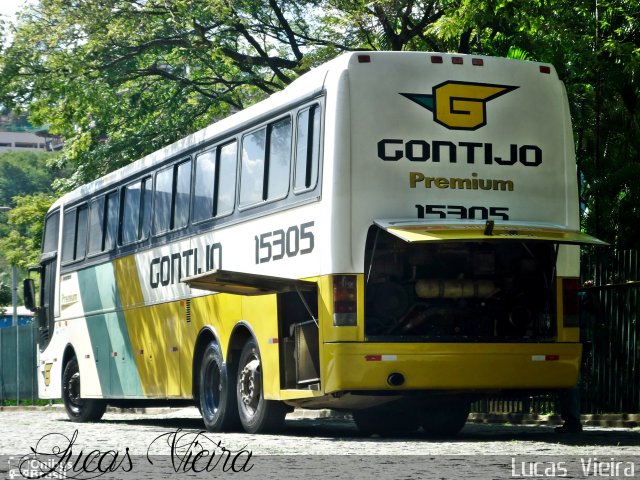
x: 79, y: 409
x: 385, y: 420
x: 257, y: 415
x: 217, y: 402
x: 445, y: 418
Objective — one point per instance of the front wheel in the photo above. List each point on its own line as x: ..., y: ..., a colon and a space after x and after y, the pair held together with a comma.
x: 217, y: 402
x: 79, y: 409
x: 256, y: 414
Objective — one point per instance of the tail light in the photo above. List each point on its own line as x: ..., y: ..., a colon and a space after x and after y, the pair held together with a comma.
x: 345, y: 300
x: 570, y: 311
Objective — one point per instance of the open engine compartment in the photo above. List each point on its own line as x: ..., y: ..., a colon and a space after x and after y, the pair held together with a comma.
x: 489, y: 291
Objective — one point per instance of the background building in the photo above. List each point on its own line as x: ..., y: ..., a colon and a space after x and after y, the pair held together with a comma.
x: 17, y: 134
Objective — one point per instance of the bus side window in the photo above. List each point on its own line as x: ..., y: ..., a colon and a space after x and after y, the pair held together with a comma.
x: 279, y: 159
x: 111, y: 221
x: 131, y: 196
x: 81, y: 232
x: 204, y: 186
x: 74, y: 234
x: 136, y: 212
x: 182, y: 195
x: 50, y: 242
x: 145, y: 209
x: 215, y: 182
x: 162, y: 200
x: 96, y: 224
x: 307, y: 149
x: 103, y: 223
x: 226, y: 179
x: 172, y: 196
x: 252, y: 175
x: 266, y: 160
x: 68, y: 235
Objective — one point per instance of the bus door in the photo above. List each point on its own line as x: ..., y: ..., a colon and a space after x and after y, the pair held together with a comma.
x: 48, y: 280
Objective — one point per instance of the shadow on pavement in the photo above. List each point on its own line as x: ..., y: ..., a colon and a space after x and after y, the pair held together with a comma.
x: 344, y: 430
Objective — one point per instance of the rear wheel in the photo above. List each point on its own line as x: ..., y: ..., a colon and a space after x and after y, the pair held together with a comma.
x: 445, y: 418
x: 217, y: 402
x: 390, y: 419
x: 256, y: 414
x: 79, y: 409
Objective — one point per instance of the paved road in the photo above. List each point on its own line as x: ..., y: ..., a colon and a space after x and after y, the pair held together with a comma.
x: 326, y: 438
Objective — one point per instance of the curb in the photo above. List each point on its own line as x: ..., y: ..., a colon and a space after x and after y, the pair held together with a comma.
x: 613, y: 420
x: 618, y: 420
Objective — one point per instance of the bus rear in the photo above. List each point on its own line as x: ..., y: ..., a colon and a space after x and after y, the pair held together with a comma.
x: 464, y: 215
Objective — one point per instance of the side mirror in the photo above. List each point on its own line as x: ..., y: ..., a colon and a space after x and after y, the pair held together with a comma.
x: 29, y: 294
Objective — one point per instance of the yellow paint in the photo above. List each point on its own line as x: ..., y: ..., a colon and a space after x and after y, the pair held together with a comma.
x: 127, y: 280
x: 154, y: 332
x: 261, y: 313
x: 221, y: 312
x: 461, y: 105
x: 47, y: 373
x: 451, y: 366
x: 439, y: 232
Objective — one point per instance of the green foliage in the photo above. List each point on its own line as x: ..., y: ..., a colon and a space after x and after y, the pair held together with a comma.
x: 26, y: 186
x: 26, y: 173
x: 119, y: 79
x: 23, y: 244
x: 5, y: 296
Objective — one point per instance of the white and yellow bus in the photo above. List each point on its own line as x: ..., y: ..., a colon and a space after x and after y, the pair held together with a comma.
x: 393, y: 234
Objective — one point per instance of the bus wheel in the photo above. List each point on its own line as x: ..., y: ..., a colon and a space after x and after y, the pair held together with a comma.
x: 445, y: 418
x: 256, y: 414
x: 216, y: 399
x: 391, y: 419
x: 78, y: 409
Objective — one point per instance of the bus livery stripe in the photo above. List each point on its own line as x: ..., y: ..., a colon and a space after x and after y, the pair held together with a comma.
x: 108, y: 331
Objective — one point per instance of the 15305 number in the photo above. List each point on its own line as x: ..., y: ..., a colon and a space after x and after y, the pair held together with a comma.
x: 276, y: 245
x: 463, y: 213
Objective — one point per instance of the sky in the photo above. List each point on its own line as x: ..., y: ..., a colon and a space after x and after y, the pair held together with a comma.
x: 8, y: 8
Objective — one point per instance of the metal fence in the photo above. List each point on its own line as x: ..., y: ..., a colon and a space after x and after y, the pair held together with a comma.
x: 612, y: 372
x: 18, y: 381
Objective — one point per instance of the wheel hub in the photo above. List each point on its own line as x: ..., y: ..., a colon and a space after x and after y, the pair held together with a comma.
x: 250, y: 384
x: 74, y: 388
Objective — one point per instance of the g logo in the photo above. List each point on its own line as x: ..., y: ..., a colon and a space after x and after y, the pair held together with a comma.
x: 460, y: 105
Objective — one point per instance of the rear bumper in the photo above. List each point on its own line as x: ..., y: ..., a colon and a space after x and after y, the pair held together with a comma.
x: 451, y: 366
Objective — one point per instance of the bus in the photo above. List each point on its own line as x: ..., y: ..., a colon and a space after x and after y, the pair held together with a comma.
x: 394, y: 234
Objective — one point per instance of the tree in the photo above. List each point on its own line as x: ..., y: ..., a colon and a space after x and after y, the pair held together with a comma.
x: 26, y: 173
x: 24, y: 177
x: 5, y: 297
x: 119, y: 79
x: 23, y: 244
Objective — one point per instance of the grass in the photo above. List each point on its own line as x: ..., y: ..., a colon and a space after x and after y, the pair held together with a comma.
x: 36, y: 402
